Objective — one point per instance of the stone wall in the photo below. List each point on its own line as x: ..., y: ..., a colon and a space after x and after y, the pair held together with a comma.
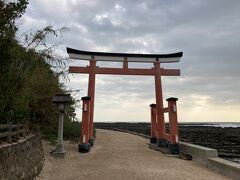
x: 21, y: 160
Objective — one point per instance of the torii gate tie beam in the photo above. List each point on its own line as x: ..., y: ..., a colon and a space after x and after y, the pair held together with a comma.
x: 125, y: 58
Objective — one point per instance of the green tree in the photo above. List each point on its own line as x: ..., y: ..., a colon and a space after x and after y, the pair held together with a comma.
x: 9, y: 50
x: 27, y: 81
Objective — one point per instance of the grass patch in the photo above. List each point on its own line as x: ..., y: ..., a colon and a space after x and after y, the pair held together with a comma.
x: 71, y: 132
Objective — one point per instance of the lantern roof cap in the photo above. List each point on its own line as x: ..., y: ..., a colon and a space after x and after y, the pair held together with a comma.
x: 61, y: 98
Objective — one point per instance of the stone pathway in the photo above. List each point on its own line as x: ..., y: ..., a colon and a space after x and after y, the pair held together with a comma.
x: 120, y: 156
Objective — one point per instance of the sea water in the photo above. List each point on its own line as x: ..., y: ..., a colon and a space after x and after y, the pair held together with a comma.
x: 221, y: 124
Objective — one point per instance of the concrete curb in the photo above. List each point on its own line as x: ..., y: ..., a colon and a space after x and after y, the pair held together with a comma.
x: 209, y: 158
x: 225, y: 167
x: 198, y: 153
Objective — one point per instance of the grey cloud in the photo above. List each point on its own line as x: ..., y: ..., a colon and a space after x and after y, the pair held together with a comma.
x: 206, y: 31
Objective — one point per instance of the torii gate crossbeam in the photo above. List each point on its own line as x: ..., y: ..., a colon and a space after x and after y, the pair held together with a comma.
x: 156, y: 71
x: 124, y: 71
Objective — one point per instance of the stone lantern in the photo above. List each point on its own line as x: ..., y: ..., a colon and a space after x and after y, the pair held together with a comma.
x: 61, y: 100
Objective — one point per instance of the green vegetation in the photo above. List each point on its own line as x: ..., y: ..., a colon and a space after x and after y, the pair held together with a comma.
x: 30, y: 75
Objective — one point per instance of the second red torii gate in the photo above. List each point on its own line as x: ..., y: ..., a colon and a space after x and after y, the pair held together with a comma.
x: 159, y: 126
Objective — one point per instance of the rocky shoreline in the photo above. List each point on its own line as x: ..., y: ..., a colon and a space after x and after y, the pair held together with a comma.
x: 225, y: 140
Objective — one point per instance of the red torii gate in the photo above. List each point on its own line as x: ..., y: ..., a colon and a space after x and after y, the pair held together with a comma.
x: 158, y: 134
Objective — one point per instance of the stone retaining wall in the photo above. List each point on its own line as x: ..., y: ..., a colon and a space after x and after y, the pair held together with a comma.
x: 21, y: 160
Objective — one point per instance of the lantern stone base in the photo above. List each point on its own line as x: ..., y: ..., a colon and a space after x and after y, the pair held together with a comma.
x: 58, y: 154
x: 59, y: 148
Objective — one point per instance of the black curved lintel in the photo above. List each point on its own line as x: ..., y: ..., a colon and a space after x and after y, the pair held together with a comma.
x: 91, y: 53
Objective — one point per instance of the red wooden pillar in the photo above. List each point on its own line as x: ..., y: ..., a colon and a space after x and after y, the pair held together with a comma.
x: 153, y: 123
x: 91, y: 93
x: 173, y: 126
x: 159, y: 105
x: 84, y: 145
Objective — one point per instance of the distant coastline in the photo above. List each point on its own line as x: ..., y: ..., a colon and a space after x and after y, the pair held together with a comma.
x: 204, y: 124
x: 221, y: 124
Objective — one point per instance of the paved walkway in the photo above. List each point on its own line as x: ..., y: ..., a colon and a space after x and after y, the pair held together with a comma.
x: 120, y: 156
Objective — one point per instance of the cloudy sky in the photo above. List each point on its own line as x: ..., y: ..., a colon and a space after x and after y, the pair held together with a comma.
x: 208, y: 33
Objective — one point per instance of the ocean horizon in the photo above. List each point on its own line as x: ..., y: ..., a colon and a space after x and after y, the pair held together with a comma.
x: 204, y: 124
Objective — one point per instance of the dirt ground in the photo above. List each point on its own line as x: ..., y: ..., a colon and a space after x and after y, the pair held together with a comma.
x: 120, y: 156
